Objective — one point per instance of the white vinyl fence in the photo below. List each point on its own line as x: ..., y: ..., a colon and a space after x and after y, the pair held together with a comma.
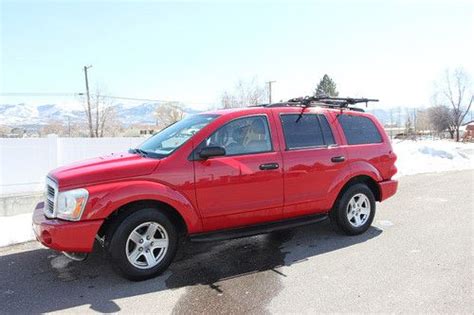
x: 24, y: 162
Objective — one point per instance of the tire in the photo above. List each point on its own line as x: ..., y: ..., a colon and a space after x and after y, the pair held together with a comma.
x: 349, y: 214
x: 138, y: 253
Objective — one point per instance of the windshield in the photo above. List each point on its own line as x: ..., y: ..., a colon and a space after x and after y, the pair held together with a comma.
x: 169, y: 139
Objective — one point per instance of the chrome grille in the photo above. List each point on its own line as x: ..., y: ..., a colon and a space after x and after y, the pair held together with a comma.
x: 51, y: 196
x: 50, y: 191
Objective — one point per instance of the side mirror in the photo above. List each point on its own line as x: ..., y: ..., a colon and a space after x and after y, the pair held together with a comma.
x: 208, y: 152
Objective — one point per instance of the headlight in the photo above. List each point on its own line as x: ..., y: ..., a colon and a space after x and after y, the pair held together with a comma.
x: 71, y: 203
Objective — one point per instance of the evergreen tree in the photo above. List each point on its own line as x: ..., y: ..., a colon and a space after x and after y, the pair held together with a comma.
x: 326, y: 87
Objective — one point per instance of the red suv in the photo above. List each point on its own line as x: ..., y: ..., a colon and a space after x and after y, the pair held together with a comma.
x: 216, y: 175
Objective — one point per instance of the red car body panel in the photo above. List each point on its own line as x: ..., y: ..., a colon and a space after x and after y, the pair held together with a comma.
x: 388, y: 188
x: 223, y: 192
x: 112, y: 167
x: 63, y: 235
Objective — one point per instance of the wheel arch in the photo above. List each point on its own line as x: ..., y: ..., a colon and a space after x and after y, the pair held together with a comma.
x: 125, y: 210
x: 114, y: 201
x: 370, y: 182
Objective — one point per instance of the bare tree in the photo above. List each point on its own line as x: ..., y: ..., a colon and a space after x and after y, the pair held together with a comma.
x: 245, y: 93
x: 53, y: 127
x: 168, y: 113
x: 100, y: 113
x: 4, y: 130
x: 455, y: 91
x: 422, y: 122
x: 409, y: 122
x: 110, y: 125
x: 441, y: 119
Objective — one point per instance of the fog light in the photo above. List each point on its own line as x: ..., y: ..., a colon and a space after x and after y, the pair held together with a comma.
x: 46, y: 237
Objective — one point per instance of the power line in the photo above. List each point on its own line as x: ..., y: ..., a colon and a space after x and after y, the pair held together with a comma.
x: 107, y: 96
x: 38, y: 94
x: 147, y: 99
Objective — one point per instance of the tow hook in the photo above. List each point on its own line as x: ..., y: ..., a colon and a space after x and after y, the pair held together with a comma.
x: 76, y: 256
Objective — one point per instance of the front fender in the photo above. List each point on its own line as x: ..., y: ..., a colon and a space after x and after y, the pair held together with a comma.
x: 106, y: 198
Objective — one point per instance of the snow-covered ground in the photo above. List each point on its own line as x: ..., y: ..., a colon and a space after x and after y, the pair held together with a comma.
x: 15, y: 229
x: 432, y: 156
x: 414, y: 157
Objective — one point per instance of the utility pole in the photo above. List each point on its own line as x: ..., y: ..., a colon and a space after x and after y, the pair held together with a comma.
x: 399, y: 122
x: 270, y: 91
x: 414, y: 120
x: 89, y: 110
x: 69, y: 125
x: 391, y: 123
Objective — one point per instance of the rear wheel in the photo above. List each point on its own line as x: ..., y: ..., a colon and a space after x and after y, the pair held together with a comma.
x: 354, y: 211
x: 143, y: 245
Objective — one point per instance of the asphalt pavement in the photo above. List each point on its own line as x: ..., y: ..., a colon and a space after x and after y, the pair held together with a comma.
x: 417, y: 257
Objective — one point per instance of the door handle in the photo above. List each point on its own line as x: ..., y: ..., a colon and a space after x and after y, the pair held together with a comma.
x: 338, y: 159
x: 269, y: 166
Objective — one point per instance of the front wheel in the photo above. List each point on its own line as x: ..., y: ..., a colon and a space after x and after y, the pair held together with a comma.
x: 143, y: 244
x: 354, y: 211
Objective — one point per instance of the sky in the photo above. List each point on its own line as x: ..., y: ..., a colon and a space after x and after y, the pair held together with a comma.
x: 194, y: 51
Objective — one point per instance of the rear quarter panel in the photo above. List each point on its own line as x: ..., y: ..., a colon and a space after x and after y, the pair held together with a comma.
x: 376, y: 160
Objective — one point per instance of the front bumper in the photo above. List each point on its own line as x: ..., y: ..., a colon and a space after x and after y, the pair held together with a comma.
x: 388, y: 188
x: 64, y: 235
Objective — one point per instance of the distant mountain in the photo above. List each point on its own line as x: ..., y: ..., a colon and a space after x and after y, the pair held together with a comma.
x: 27, y: 114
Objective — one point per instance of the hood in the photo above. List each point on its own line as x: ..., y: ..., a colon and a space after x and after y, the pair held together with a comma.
x: 103, y: 169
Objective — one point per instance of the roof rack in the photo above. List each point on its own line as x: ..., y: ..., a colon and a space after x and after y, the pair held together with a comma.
x: 324, y: 101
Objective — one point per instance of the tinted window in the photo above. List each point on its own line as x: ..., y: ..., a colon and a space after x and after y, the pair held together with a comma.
x: 242, y: 136
x: 359, y: 129
x: 306, y: 131
x: 327, y: 133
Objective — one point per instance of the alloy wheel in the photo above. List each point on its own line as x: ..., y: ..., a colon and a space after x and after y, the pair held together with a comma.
x: 147, y: 245
x: 358, y: 210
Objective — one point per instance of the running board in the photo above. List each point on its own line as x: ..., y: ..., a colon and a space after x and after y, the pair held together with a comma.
x: 257, y: 229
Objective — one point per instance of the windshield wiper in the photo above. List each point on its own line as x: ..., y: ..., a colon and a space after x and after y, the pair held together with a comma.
x: 145, y: 153
x: 138, y: 151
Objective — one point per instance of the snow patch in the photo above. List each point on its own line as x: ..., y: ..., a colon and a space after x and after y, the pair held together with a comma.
x: 432, y: 156
x: 15, y: 229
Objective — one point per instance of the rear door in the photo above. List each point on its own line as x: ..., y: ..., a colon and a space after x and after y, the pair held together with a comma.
x: 246, y: 185
x: 313, y: 162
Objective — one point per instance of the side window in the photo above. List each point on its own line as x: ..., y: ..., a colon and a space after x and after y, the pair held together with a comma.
x: 309, y: 130
x: 327, y: 133
x: 242, y: 136
x: 359, y: 129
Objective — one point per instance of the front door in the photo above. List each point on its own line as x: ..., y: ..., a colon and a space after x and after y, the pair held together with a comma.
x: 245, y: 186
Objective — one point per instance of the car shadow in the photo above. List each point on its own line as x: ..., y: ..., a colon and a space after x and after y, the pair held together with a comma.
x: 42, y: 280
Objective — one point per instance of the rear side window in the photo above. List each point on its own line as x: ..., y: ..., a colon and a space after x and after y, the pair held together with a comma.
x: 359, y: 129
x: 309, y: 130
